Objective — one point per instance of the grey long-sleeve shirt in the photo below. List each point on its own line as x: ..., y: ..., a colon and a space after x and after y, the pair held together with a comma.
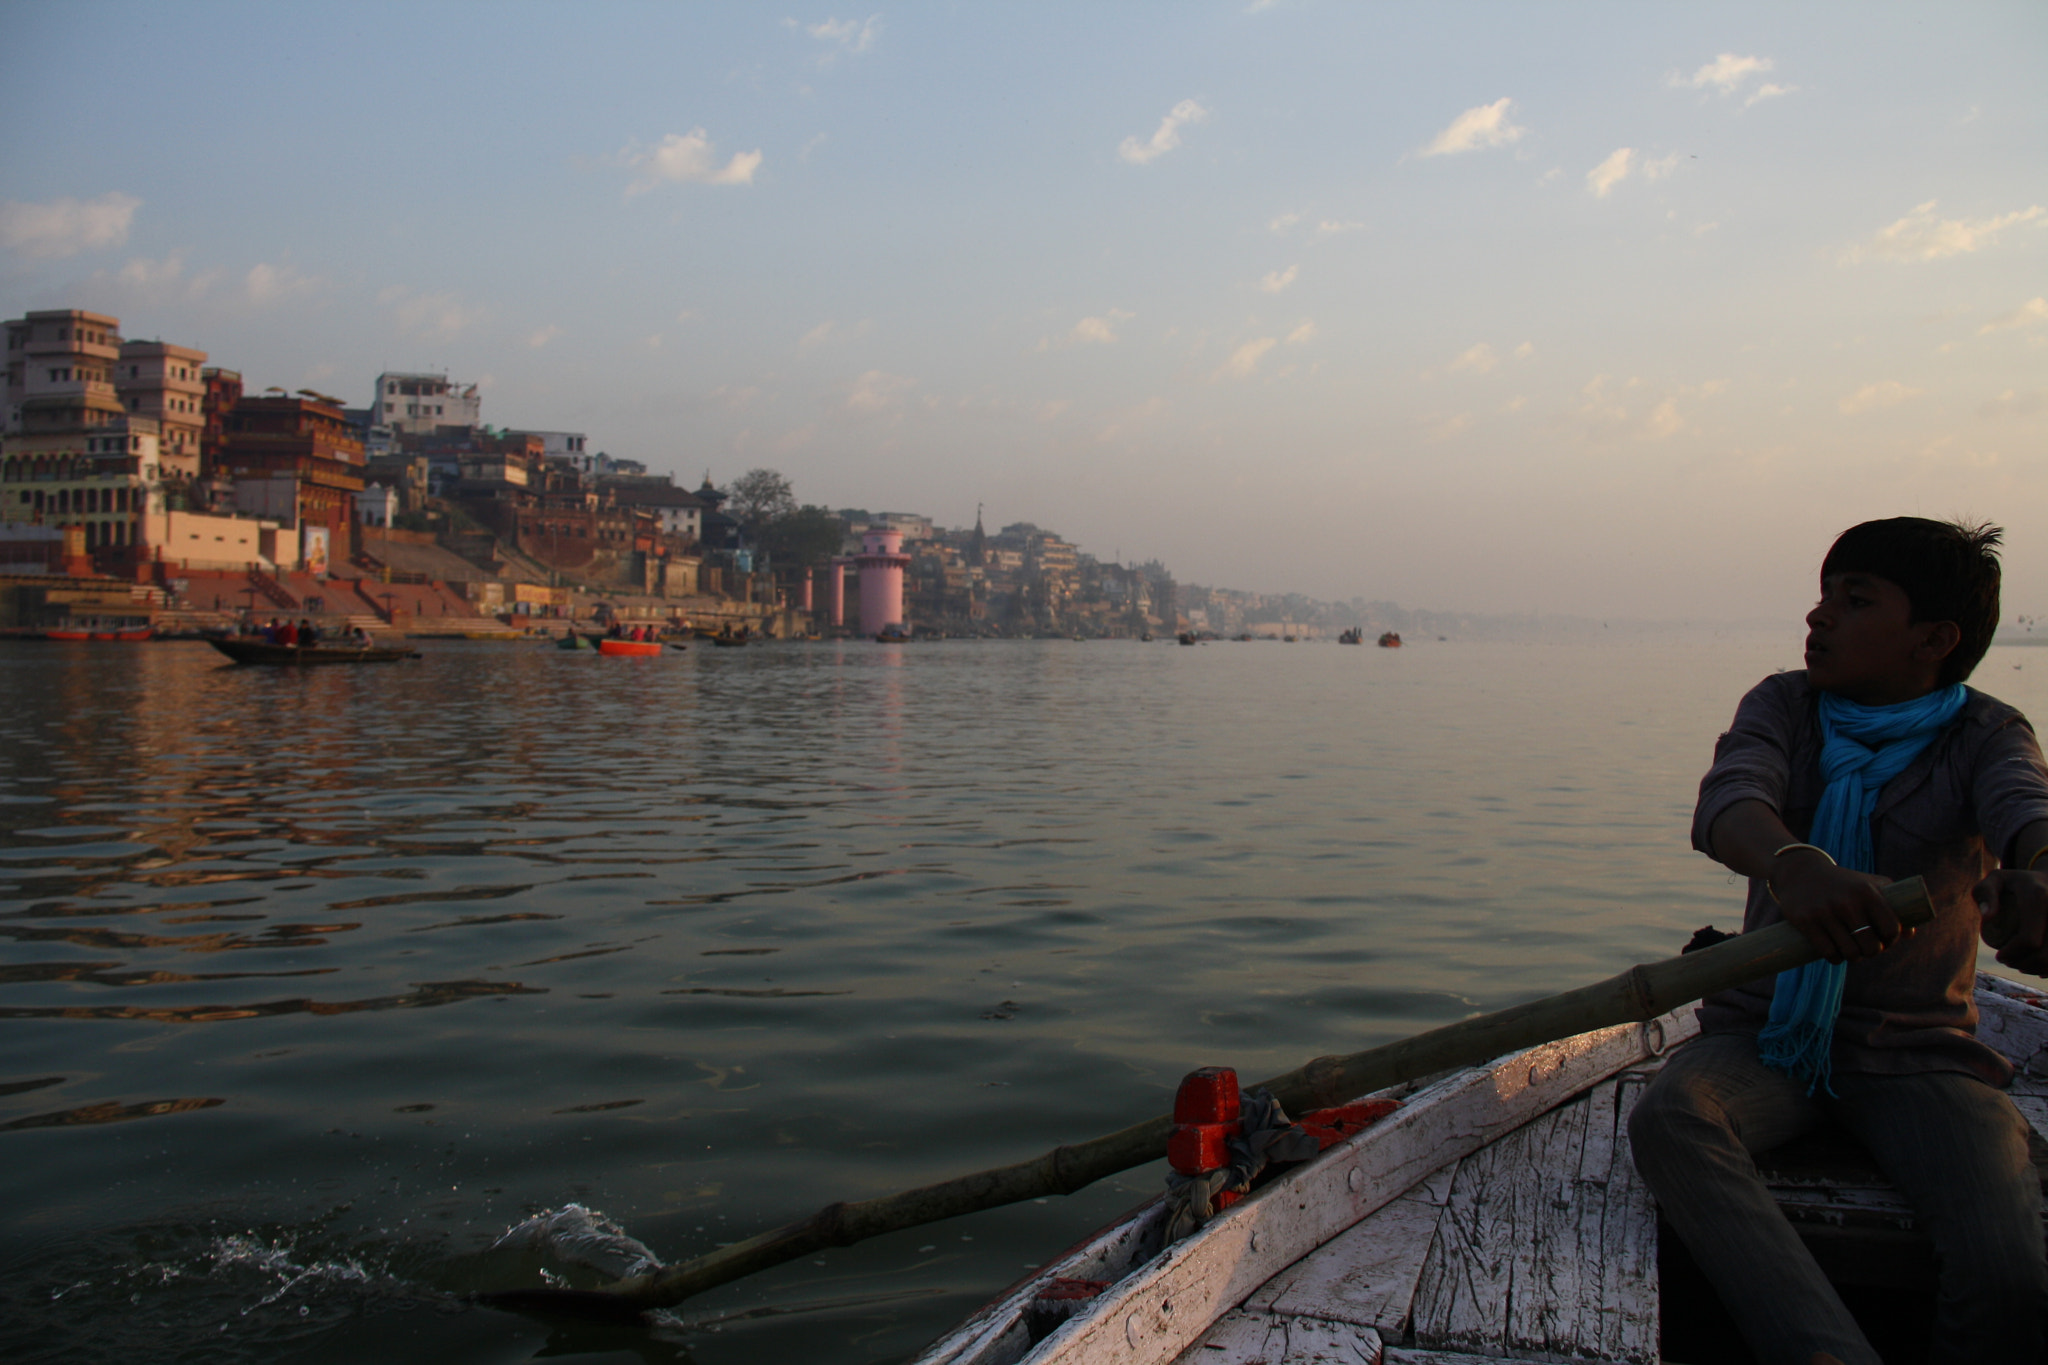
x: 1949, y: 817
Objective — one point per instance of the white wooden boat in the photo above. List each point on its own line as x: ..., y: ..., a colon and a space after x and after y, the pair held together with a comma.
x: 1496, y: 1216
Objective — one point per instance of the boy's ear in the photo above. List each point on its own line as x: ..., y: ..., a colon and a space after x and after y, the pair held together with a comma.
x: 1940, y: 641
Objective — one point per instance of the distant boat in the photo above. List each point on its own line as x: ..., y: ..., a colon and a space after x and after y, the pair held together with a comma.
x: 305, y: 656
x: 895, y: 634
x: 101, y: 633
x: 1391, y: 640
x: 1187, y: 637
x: 632, y: 648
x: 1353, y: 636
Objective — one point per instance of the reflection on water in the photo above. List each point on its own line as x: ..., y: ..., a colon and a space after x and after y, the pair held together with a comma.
x: 708, y: 940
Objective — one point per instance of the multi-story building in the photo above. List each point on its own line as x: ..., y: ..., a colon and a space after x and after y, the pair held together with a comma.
x: 223, y: 389
x: 300, y: 461
x: 422, y: 404
x: 104, y: 480
x: 166, y: 382
x: 565, y: 445
x: 60, y: 372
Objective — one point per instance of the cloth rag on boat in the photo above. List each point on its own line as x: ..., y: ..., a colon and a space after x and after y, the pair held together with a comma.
x: 1266, y: 1137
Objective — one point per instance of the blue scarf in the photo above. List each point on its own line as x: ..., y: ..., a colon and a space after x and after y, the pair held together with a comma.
x: 1862, y: 748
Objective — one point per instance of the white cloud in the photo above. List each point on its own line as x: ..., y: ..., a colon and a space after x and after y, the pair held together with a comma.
x: 2013, y: 403
x: 266, y: 284
x: 1098, y: 331
x: 1726, y: 73
x: 1444, y: 428
x: 1525, y: 350
x: 541, y: 336
x: 1166, y: 138
x: 65, y: 227
x: 438, y: 317
x: 1610, y: 172
x: 1888, y: 394
x: 1478, y: 359
x: 1324, y: 227
x: 682, y: 158
x: 1245, y: 359
x: 1277, y: 280
x: 1302, y: 334
x: 878, y: 391
x: 1768, y: 92
x: 1664, y: 421
x: 1661, y: 167
x: 816, y: 337
x: 1920, y: 236
x: 2033, y: 311
x: 851, y: 35
x: 1484, y: 126
x: 158, y: 282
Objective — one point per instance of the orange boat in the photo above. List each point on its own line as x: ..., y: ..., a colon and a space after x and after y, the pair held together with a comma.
x: 127, y: 633
x: 629, y: 646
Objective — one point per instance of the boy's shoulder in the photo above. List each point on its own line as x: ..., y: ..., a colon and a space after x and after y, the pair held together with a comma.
x: 1791, y: 694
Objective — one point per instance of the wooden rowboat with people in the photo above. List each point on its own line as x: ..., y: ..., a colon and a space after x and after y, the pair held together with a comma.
x: 245, y: 651
x: 1471, y: 1199
x: 1494, y: 1216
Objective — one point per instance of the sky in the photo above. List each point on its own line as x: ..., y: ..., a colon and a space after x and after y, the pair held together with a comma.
x: 1602, y: 309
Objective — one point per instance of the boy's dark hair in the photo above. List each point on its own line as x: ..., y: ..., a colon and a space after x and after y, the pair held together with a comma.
x: 1948, y: 570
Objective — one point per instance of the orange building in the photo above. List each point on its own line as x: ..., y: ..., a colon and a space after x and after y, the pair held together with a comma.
x: 299, y: 460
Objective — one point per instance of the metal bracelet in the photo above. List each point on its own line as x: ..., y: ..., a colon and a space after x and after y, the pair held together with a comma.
x: 1787, y: 848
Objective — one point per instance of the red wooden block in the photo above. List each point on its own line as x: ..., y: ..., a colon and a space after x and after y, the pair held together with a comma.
x: 1196, y: 1147
x: 1207, y: 1095
x: 1331, y: 1126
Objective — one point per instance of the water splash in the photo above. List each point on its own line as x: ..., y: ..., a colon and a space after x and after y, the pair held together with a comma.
x: 580, y: 1236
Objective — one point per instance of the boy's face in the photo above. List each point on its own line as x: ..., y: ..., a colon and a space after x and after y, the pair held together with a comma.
x: 1862, y: 644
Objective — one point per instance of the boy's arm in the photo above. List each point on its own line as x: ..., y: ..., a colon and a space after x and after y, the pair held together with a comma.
x: 2014, y: 903
x: 1839, y: 911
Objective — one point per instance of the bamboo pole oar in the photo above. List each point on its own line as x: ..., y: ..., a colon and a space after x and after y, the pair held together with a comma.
x: 1640, y: 993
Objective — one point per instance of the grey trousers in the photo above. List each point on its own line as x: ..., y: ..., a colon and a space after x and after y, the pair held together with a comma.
x: 1955, y: 1148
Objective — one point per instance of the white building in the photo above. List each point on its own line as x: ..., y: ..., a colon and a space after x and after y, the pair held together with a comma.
x: 562, y: 445
x: 377, y: 505
x: 421, y: 404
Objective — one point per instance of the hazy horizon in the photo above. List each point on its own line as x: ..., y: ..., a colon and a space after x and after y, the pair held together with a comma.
x: 1581, y: 310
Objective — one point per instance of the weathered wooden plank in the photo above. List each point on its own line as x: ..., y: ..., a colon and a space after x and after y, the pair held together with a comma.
x: 2012, y: 1020
x: 1487, y: 1284
x: 1149, y: 1318
x: 999, y: 1333
x: 1625, y: 1302
x: 1548, y: 1246
x: 1367, y: 1275
x: 1243, y: 1338
x: 1543, y: 1313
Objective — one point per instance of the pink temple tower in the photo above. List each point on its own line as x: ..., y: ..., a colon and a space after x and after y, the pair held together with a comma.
x: 881, y: 562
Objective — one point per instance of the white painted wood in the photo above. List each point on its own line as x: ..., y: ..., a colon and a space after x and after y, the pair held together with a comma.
x: 1241, y: 1338
x: 1619, y: 1320
x: 1507, y: 1204
x: 1549, y: 1243
x: 1152, y: 1316
x: 1367, y: 1274
x: 2010, y: 1020
x: 997, y: 1334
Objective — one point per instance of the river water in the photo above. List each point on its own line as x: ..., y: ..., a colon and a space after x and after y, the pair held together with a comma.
x: 313, y: 984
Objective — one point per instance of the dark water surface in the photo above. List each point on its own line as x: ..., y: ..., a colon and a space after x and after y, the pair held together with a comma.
x: 311, y: 985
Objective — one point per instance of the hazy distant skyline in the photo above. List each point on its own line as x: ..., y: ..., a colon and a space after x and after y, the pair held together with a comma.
x: 1598, y: 309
